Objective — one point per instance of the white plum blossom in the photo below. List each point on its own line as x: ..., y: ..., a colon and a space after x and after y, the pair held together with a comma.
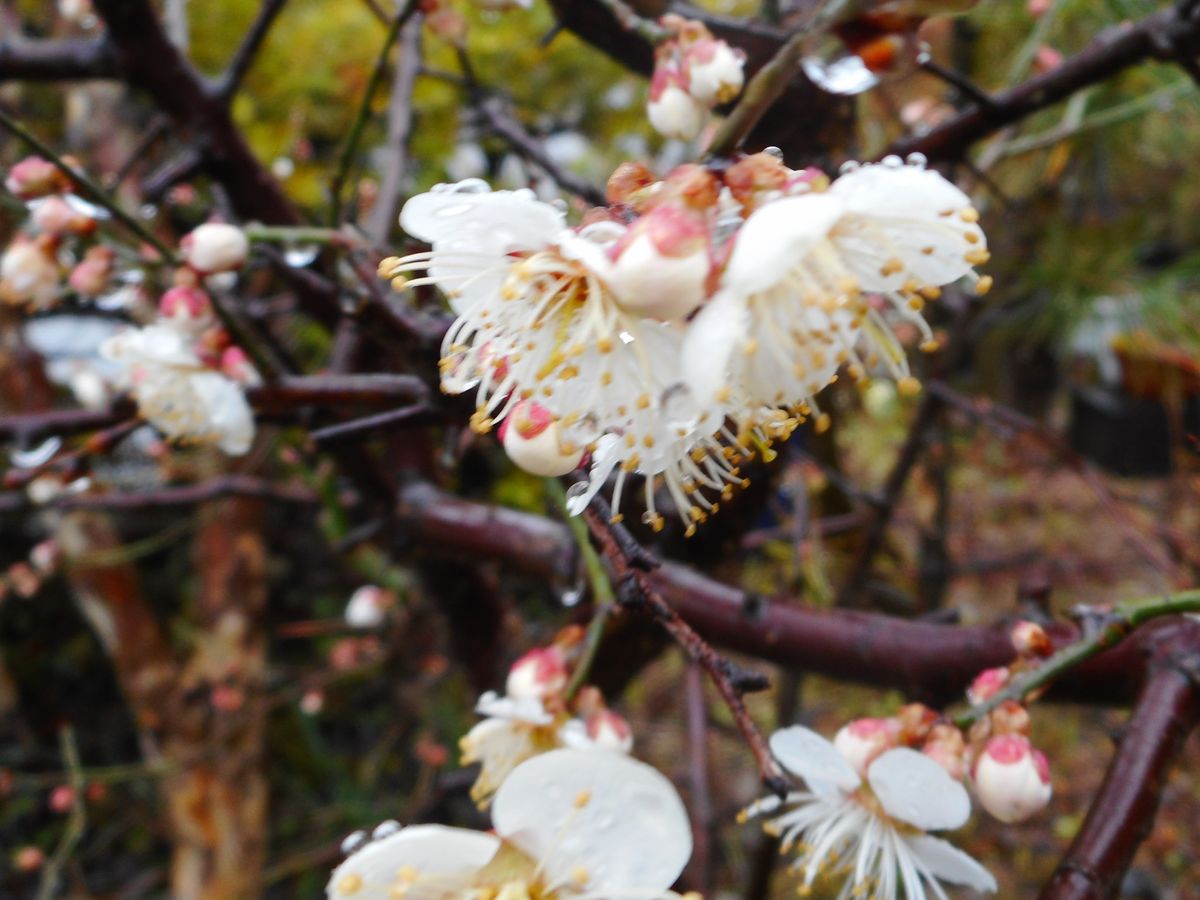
x: 671, y: 108
x: 540, y: 319
x: 714, y: 71
x: 810, y: 276
x: 177, y: 393
x: 870, y: 829
x: 581, y: 824
x: 1012, y: 779
x: 215, y: 247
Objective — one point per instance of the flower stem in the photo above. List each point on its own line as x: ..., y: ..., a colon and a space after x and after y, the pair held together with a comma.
x: 350, y: 148
x: 92, y: 190
x: 1114, y: 626
x: 282, y: 234
x: 647, y: 29
x: 603, y: 597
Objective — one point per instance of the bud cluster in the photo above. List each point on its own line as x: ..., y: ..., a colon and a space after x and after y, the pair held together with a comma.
x: 693, y: 72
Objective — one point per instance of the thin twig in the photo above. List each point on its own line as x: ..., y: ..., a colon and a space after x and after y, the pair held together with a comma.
x: 76, y: 819
x: 244, y: 56
x: 91, y: 190
x: 1113, y: 627
x: 360, y: 429
x: 762, y: 91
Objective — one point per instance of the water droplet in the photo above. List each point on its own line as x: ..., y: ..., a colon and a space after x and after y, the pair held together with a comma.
x: 36, y: 456
x: 385, y: 829
x: 917, y: 159
x: 649, y: 518
x: 470, y: 186
x: 583, y: 431
x: 353, y: 841
x: 773, y: 151
x: 678, y: 407
x: 892, y: 162
x: 300, y: 256
x: 570, y: 597
x: 832, y: 67
x: 147, y: 210
x: 577, y: 490
x: 849, y: 166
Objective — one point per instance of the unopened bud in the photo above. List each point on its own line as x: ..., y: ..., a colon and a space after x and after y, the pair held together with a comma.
x: 1012, y: 779
x: 662, y: 264
x: 609, y: 731
x: 672, y: 111
x: 1010, y: 717
x: 532, y: 438
x: 1030, y: 639
x: 187, y: 307
x: 236, y: 365
x: 35, y: 177
x: 28, y: 859
x: 914, y: 720
x: 714, y: 71
x: 538, y: 674
x: 987, y: 683
x: 46, y: 556
x: 628, y: 179
x: 90, y: 277
x: 367, y: 607
x: 62, y: 798
x: 946, y: 747
x: 216, y: 247
x: 863, y: 740
x: 28, y: 275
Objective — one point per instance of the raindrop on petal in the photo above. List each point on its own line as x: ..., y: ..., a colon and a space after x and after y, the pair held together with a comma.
x: 353, y: 841
x: 832, y: 67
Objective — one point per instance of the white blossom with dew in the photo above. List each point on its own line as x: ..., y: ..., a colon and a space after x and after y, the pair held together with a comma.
x: 870, y: 831
x: 583, y: 824
x: 538, y: 320
x: 812, y: 276
x: 177, y: 393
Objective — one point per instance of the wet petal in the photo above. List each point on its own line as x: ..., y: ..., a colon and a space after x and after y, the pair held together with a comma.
x: 453, y: 855
x: 810, y: 756
x: 915, y: 789
x: 946, y: 862
x: 610, y: 818
x: 718, y: 328
x: 776, y: 237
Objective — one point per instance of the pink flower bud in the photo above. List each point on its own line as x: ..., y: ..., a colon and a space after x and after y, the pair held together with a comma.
x: 187, y: 307
x: 714, y: 71
x: 312, y: 702
x: 28, y: 275
x: 532, y: 438
x: 24, y: 580
x: 35, y: 177
x: 28, y: 859
x: 1038, y: 8
x: 609, y: 731
x: 54, y: 215
x: 368, y: 607
x: 216, y: 247
x: 946, y: 747
x: 537, y: 675
x: 90, y: 277
x: 863, y: 740
x: 1030, y: 639
x: 62, y: 798
x: 987, y: 683
x: 662, y: 264
x: 1046, y: 58
x: 1012, y: 779
x: 627, y: 180
x: 672, y: 111
x: 46, y: 556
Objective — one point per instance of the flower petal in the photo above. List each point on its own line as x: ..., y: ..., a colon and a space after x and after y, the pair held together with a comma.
x: 717, y: 329
x: 226, y: 412
x: 602, y: 814
x: 915, y: 789
x: 776, y: 237
x: 947, y: 863
x: 454, y: 855
x: 807, y: 754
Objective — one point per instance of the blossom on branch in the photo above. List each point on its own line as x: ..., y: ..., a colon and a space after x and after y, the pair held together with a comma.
x: 567, y: 824
x: 870, y: 829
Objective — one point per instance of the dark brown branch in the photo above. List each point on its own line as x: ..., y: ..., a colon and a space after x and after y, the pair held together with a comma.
x: 150, y: 62
x: 1123, y: 813
x: 927, y: 660
x: 1169, y: 34
x: 57, y: 60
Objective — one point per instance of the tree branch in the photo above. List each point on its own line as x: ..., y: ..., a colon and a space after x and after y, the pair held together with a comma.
x: 60, y: 60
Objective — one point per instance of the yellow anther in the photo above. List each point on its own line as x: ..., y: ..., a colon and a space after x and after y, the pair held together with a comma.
x: 648, y: 441
x: 928, y: 251
x: 931, y: 292
x: 822, y: 423
x: 604, y: 345
x: 916, y: 304
x: 891, y: 267
x: 582, y: 799
x: 579, y: 876
x: 724, y: 393
x: 407, y: 874
x: 977, y: 257
x: 750, y: 347
x: 349, y: 884
x: 399, y: 284
x: 643, y: 401
x: 972, y: 237
x: 606, y: 378
x: 908, y: 386
x: 969, y: 215
x: 983, y: 285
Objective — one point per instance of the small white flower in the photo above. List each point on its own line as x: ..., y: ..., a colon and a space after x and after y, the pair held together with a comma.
x: 177, y: 393
x: 568, y: 824
x: 714, y: 71
x: 800, y: 292
x: 29, y: 275
x: 871, y: 830
x: 1012, y: 779
x: 540, y: 673
x: 215, y: 247
x: 671, y: 109
x: 533, y: 439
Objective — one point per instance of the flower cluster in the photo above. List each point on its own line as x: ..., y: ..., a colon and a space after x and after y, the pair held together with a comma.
x: 187, y: 377
x: 536, y: 715
x: 33, y: 266
x: 569, y: 823
x: 689, y: 323
x: 871, y: 797
x: 693, y: 72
